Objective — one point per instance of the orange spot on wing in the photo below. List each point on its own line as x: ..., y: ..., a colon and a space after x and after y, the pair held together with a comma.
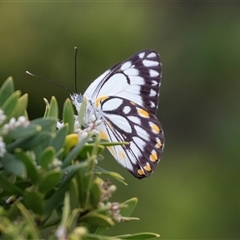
x: 104, y: 135
x: 159, y: 144
x: 147, y: 167
x: 142, y: 113
x: 99, y: 99
x: 122, y: 155
x: 153, y: 156
x: 140, y: 172
x: 154, y: 128
x: 110, y: 149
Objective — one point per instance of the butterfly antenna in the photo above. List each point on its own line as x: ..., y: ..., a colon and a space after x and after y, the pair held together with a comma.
x: 75, y: 66
x: 54, y: 83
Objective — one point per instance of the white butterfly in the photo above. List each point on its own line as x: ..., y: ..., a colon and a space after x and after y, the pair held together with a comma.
x: 122, y: 105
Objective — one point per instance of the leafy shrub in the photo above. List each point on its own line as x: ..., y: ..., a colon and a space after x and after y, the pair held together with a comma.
x: 49, y: 178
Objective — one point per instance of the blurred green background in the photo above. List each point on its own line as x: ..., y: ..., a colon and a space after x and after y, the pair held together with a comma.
x: 194, y: 193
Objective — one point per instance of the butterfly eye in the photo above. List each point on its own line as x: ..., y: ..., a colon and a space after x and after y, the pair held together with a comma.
x: 79, y: 98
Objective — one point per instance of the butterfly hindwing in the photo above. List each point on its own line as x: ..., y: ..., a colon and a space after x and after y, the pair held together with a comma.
x: 125, y: 121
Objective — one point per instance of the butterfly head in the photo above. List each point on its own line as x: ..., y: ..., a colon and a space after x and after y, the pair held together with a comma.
x: 77, y: 99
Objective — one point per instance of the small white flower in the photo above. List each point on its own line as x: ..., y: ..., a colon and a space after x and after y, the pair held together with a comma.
x: 112, y: 188
x: 93, y: 118
x: 23, y: 121
x: 2, y: 147
x: 115, y: 212
x: 107, y: 190
x: 11, y: 123
x: 95, y: 132
x: 98, y: 122
x: 61, y: 232
x: 82, y: 135
x: 56, y: 163
x: 2, y: 116
x: 59, y: 124
x: 108, y: 205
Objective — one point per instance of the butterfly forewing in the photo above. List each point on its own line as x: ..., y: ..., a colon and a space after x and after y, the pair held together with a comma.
x: 137, y: 79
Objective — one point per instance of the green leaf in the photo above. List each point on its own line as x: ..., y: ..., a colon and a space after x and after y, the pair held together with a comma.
x: 74, y: 193
x: 33, y: 228
x: 21, y: 106
x: 90, y: 236
x: 68, y: 115
x: 78, y: 171
x: 96, y: 192
x: 58, y: 141
x: 79, y: 175
x: 6, y: 90
x: 57, y: 198
x: 10, y: 104
x: 34, y: 201
x: 9, y: 187
x: 66, y: 210
x: 88, y: 179
x: 106, y: 143
x: 46, y: 108
x: 139, y: 236
x: 117, y: 176
x: 50, y: 180
x: 30, y: 142
x: 73, y: 218
x: 32, y: 171
x: 13, y: 212
x: 75, y: 167
x: 46, y: 157
x: 23, y: 132
x: 53, y: 108
x: 47, y: 124
x: 82, y: 111
x: 97, y: 219
x: 13, y: 165
x: 131, y: 204
x: 88, y: 148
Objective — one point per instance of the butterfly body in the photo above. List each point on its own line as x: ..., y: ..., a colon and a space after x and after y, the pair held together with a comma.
x: 122, y: 105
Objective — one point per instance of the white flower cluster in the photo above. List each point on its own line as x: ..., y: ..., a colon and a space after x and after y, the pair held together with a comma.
x: 107, y: 190
x: 7, y: 127
x: 83, y: 133
x: 92, y: 128
x: 114, y: 208
x: 14, y: 123
x: 2, y: 143
x: 56, y: 164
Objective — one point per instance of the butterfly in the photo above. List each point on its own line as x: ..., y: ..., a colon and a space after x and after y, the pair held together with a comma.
x: 122, y: 105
